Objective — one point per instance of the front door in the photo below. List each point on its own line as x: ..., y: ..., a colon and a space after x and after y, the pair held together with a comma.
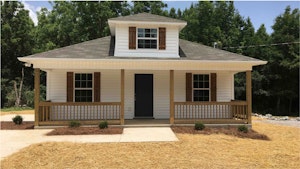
x: 143, y: 95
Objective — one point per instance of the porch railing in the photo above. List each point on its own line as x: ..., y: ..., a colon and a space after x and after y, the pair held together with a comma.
x: 67, y: 111
x: 211, y: 110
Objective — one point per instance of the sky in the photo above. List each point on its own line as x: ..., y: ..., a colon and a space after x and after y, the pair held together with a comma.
x: 260, y: 12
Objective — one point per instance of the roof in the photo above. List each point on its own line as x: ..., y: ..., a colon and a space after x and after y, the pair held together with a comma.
x: 103, y: 48
x: 146, y: 17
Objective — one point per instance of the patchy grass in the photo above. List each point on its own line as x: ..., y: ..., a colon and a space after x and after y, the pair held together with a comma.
x: 17, y: 110
x: 192, y: 151
x: 8, y: 109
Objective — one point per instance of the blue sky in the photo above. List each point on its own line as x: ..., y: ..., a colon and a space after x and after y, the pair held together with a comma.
x: 260, y: 12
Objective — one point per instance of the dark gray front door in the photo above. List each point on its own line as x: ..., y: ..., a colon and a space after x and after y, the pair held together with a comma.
x: 143, y: 95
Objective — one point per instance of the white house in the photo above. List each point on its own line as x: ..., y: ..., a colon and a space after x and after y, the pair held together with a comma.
x: 143, y: 70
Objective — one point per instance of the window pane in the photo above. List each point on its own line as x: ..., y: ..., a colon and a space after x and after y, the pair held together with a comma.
x: 196, y: 77
x: 77, y: 84
x: 201, y: 95
x: 77, y: 76
x: 89, y: 77
x: 83, y: 84
x: 206, y: 84
x: 206, y: 77
x: 83, y: 76
x: 83, y: 95
x: 89, y: 84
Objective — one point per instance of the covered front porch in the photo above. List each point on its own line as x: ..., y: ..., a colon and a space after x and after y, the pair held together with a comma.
x: 51, y: 113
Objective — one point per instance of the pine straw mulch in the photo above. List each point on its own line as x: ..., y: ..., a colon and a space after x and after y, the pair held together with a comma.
x: 85, y: 131
x: 232, y: 131
x: 7, y: 125
x: 191, y: 151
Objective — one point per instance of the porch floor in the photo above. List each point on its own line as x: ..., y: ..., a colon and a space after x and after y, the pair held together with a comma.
x: 147, y: 123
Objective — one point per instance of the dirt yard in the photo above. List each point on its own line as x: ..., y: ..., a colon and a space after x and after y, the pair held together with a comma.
x: 192, y: 151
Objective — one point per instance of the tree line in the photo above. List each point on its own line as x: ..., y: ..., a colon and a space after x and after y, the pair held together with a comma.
x: 218, y: 23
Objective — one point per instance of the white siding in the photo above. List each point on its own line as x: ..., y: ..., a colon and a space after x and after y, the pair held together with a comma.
x: 110, y: 88
x: 160, y: 93
x: 224, y: 85
x: 122, y: 50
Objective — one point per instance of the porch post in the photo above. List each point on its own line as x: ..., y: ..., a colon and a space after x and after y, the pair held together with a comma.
x: 249, y: 95
x: 171, y: 96
x: 36, y: 95
x: 122, y: 96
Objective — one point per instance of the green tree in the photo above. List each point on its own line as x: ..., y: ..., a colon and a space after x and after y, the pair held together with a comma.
x: 285, y: 61
x: 16, y: 41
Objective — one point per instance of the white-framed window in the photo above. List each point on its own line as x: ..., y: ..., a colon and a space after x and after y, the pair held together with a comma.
x: 147, y: 38
x: 201, y: 87
x: 83, y: 88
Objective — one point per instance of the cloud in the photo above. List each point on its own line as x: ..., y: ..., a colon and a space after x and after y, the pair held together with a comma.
x: 32, y: 11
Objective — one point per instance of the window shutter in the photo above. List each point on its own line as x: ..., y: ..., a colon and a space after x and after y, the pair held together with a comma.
x: 70, y: 86
x: 132, y: 38
x: 162, y: 38
x: 213, y: 87
x: 97, y: 84
x: 189, y: 87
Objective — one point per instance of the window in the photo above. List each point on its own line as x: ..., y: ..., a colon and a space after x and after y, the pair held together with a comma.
x: 83, y: 87
x: 147, y: 38
x: 201, y: 87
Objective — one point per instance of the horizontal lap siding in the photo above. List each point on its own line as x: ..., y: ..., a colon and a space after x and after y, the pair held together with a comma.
x: 56, y: 92
x: 224, y: 91
x: 160, y: 93
x: 122, y: 49
x: 224, y: 85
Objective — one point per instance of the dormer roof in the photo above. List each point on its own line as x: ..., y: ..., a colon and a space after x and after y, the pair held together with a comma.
x: 144, y: 18
x: 147, y: 17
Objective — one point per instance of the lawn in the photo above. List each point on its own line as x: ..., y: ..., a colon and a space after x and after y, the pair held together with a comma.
x: 192, y: 151
x: 17, y: 110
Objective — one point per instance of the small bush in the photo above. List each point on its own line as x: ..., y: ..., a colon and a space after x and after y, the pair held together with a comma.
x: 18, y: 119
x: 74, y: 124
x: 243, y: 128
x: 199, y: 126
x: 103, y: 125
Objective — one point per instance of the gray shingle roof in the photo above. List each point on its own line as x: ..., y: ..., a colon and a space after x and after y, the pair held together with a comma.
x: 93, y: 49
x: 196, y: 51
x: 103, y: 48
x: 146, y: 17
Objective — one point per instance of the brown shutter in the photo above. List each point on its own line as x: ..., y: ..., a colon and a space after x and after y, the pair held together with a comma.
x: 97, y: 77
x: 162, y: 38
x: 213, y: 87
x: 70, y: 86
x: 132, y: 38
x: 189, y: 87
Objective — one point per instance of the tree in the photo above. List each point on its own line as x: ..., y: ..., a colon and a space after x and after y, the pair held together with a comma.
x: 285, y: 64
x: 16, y: 41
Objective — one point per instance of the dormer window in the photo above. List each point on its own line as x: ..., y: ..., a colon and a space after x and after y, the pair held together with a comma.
x: 147, y: 38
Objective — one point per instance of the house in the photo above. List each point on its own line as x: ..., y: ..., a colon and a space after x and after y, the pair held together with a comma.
x: 143, y: 70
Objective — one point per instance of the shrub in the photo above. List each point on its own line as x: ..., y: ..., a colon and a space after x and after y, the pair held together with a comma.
x: 18, y: 119
x: 243, y: 128
x: 103, y: 125
x: 199, y: 126
x: 74, y: 124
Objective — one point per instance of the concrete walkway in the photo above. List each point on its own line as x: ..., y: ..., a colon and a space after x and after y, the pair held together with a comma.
x: 12, y: 141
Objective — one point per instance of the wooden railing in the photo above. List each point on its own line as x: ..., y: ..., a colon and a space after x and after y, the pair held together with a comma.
x: 50, y: 111
x: 211, y: 110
